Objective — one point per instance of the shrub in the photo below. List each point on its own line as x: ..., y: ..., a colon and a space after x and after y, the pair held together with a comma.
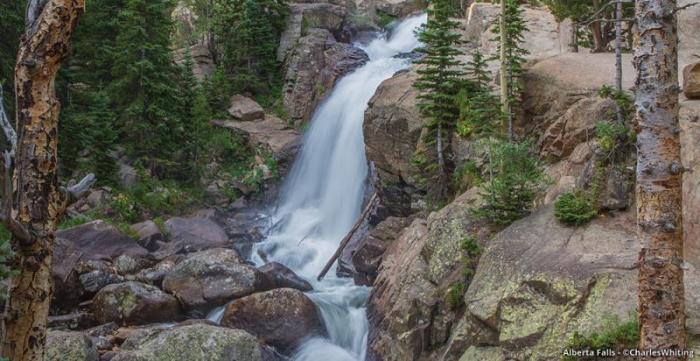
x: 470, y: 246
x: 575, y: 208
x: 615, y: 334
x: 125, y: 208
x: 515, y: 178
x: 455, y: 296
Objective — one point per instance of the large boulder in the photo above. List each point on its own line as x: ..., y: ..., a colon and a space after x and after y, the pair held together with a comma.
x: 556, y: 85
x: 539, y: 281
x: 193, y: 342
x: 191, y: 234
x: 134, y: 303
x: 148, y: 234
x: 691, y: 81
x: 211, y: 278
x: 245, y: 109
x: 69, y: 346
x: 279, y: 276
x: 689, y: 42
x: 84, y: 249
x: 544, y: 37
x: 409, y: 319
x: 274, y: 135
x: 392, y: 129
x: 305, y: 15
x: 283, y: 317
x: 311, y: 70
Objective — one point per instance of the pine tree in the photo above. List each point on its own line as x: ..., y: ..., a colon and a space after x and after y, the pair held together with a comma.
x: 144, y: 87
x: 248, y: 32
x: 479, y: 113
x: 439, y: 82
x: 195, y: 114
x: 11, y: 28
x: 512, y: 59
x: 102, y: 138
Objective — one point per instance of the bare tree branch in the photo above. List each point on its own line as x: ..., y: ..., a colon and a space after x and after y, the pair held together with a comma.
x: 73, y: 193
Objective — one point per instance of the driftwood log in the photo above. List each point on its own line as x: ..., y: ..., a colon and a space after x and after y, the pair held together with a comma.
x: 344, y: 242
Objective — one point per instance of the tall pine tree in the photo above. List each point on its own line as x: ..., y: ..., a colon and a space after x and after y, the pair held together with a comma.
x: 513, y: 60
x: 479, y: 112
x: 144, y: 85
x: 439, y: 82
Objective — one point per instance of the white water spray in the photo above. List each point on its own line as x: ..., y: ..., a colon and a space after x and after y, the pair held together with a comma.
x: 322, y: 199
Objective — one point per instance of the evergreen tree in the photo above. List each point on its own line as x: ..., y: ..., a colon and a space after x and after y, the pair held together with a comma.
x: 102, y: 138
x: 512, y: 64
x: 439, y: 82
x: 248, y: 32
x: 11, y: 28
x: 195, y: 113
x: 479, y: 113
x: 144, y: 87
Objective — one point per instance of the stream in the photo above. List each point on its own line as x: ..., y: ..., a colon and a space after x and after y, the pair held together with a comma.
x: 323, y: 196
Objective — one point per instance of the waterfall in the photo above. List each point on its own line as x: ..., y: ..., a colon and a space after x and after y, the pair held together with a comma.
x: 323, y: 194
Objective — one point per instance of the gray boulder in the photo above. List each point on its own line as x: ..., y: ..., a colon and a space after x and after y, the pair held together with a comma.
x: 69, y: 346
x: 134, y: 303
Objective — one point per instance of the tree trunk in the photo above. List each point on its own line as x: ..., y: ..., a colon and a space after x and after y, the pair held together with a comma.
x: 659, y: 172
x: 37, y: 198
x: 505, y: 106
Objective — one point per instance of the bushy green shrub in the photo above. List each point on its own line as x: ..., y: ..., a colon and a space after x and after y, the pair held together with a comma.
x: 470, y: 246
x: 515, y: 178
x: 615, y: 335
x: 575, y: 208
x: 455, y: 296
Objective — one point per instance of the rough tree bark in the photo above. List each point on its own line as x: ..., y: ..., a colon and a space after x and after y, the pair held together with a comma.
x: 35, y: 199
x: 659, y: 172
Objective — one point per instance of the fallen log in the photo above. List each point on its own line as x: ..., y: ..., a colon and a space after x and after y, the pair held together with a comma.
x: 347, y: 238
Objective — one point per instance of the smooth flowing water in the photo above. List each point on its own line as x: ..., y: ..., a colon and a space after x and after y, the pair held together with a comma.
x: 323, y: 195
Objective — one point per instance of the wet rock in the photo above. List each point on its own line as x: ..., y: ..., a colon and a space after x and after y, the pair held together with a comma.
x: 245, y: 109
x: 279, y: 276
x: 211, y: 278
x: 311, y: 70
x: 369, y: 254
x: 69, y: 346
x: 691, y: 81
x: 283, y: 317
x: 272, y: 134
x: 134, y: 303
x: 194, y: 342
x: 392, y: 129
x: 148, y: 234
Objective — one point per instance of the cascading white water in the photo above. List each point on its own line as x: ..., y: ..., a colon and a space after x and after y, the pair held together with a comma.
x: 322, y: 199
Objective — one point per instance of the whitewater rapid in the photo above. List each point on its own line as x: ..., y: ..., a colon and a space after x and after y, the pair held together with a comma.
x: 323, y: 195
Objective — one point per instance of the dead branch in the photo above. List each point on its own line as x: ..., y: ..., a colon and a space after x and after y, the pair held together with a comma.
x: 347, y: 238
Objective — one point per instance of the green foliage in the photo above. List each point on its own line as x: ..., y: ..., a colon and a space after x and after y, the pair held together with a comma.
x: 615, y: 335
x: 621, y: 98
x: 385, y: 19
x: 6, y: 256
x: 248, y: 32
x: 100, y: 138
x: 455, y: 296
x: 470, y: 246
x: 479, y: 110
x: 515, y: 178
x: 439, y: 81
x: 466, y: 176
x: 611, y: 135
x: 144, y: 84
x: 575, y: 208
x: 576, y: 10
x: 125, y: 208
x: 11, y: 28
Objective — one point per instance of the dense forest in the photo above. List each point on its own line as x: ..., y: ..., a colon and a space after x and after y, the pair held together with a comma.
x: 379, y: 180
